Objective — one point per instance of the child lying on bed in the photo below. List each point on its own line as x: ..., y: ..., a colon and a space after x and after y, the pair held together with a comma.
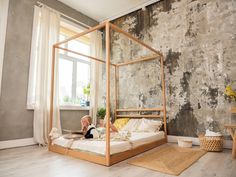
x: 89, y: 130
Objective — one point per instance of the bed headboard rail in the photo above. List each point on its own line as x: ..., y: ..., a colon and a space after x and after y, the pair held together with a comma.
x: 140, y: 113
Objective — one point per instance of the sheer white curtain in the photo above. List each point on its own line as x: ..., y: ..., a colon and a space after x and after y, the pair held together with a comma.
x: 45, y: 34
x: 3, y: 27
x: 96, y: 73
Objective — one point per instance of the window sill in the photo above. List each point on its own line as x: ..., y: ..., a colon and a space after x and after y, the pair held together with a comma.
x: 67, y: 107
x: 72, y: 107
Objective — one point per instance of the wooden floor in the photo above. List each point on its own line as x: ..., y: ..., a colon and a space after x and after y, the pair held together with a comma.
x: 34, y: 161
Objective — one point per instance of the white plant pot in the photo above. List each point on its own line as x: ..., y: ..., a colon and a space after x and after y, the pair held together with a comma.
x: 185, y: 143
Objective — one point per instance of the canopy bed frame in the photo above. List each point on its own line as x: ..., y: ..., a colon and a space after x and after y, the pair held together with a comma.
x: 159, y: 113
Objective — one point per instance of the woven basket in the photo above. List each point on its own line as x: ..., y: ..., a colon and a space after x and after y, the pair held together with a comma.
x: 211, y: 143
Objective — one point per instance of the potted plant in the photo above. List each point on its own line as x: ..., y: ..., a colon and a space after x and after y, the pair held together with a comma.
x: 101, y: 113
x: 87, y: 93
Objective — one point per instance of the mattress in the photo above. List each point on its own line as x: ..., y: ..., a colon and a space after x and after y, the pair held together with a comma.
x: 141, y: 138
x: 99, y: 147
x: 63, y: 142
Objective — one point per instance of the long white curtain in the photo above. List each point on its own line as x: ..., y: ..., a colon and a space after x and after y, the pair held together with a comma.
x: 3, y: 27
x: 45, y: 34
x: 96, y: 73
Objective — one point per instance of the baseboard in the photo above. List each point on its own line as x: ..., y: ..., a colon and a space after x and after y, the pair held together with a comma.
x: 30, y: 141
x: 174, y: 139
x: 16, y: 143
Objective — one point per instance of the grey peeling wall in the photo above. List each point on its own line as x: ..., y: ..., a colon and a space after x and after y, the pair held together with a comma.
x: 16, y: 121
x: 198, y: 40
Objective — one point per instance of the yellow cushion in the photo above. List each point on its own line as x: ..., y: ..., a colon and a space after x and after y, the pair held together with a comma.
x: 120, y: 123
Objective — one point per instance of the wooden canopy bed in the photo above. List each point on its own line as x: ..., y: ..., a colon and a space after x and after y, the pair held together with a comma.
x: 108, y: 158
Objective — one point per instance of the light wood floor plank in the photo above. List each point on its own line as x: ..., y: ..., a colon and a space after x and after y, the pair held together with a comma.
x: 34, y: 161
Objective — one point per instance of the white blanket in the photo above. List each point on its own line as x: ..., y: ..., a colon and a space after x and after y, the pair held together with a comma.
x: 114, y: 136
x: 211, y: 133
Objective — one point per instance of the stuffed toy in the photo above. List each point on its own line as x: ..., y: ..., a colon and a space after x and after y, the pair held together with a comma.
x: 54, y: 133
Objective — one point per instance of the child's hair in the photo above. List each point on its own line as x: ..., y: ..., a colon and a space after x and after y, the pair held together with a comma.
x: 89, y: 119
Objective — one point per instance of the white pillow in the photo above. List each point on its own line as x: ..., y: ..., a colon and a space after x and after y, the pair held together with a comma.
x: 132, y: 125
x: 149, y: 125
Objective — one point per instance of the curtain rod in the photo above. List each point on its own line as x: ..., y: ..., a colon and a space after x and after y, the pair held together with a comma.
x: 40, y: 4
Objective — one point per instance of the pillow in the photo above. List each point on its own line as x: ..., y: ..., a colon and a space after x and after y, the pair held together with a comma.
x: 132, y: 125
x: 149, y: 125
x: 120, y: 123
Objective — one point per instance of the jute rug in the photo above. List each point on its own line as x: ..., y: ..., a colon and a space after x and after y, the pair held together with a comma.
x: 169, y: 159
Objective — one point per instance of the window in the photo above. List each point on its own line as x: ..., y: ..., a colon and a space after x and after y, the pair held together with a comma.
x: 74, y: 70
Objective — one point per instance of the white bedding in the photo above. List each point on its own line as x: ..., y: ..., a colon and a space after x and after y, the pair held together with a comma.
x: 141, y: 138
x: 63, y: 142
x: 136, y: 139
x: 99, y: 147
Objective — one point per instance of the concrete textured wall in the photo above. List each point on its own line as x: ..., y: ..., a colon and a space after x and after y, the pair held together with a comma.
x: 198, y: 40
x: 15, y: 121
x: 70, y: 119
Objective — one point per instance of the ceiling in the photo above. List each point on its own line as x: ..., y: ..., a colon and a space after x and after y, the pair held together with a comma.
x: 101, y: 10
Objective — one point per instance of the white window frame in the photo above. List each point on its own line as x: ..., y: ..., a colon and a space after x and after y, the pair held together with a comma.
x: 74, y: 71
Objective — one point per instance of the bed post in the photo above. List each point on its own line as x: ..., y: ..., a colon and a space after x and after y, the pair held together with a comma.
x: 163, y: 93
x: 107, y: 94
x: 52, y: 93
x: 116, y: 89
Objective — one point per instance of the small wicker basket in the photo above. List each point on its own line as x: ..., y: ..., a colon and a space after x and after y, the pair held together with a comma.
x: 211, y: 143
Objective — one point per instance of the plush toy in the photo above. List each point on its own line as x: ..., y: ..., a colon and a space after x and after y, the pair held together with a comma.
x: 54, y: 133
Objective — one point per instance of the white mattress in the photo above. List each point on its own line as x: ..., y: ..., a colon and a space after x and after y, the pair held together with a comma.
x: 141, y: 138
x: 63, y: 142
x: 99, y: 147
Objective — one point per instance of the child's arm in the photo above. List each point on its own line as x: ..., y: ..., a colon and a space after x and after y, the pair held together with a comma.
x: 113, y: 128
